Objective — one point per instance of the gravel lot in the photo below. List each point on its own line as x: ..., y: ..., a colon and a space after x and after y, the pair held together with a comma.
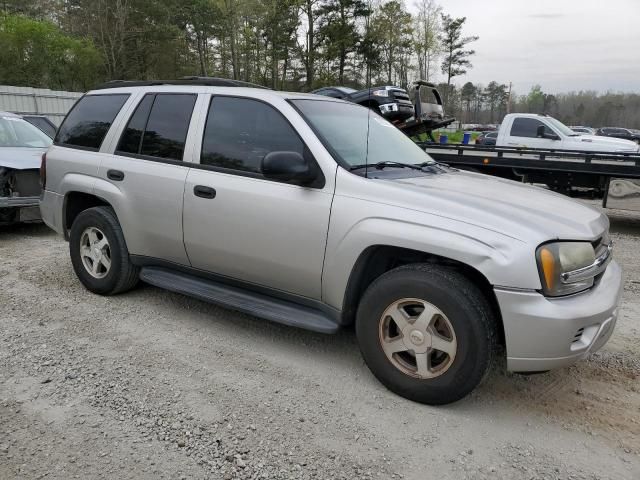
x: 152, y: 384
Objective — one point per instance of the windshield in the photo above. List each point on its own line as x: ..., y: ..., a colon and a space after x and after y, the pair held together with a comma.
x: 564, y: 130
x: 357, y: 135
x: 15, y: 132
x: 346, y: 89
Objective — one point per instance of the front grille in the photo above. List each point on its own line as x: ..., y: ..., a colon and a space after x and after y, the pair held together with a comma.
x: 397, y: 94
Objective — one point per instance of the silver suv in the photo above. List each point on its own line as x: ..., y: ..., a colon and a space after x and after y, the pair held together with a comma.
x: 319, y: 214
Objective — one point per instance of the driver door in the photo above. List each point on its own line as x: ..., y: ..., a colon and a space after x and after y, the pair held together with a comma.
x: 245, y: 227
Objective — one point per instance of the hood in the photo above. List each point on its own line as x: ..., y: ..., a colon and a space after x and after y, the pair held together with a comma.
x: 608, y: 143
x: 21, y: 158
x: 524, y: 212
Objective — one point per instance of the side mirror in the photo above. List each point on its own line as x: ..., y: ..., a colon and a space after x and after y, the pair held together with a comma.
x: 288, y: 167
x: 541, y: 133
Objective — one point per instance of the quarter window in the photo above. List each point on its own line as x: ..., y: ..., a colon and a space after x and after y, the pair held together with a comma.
x: 528, y: 127
x: 239, y: 133
x: 158, y: 128
x: 88, y: 122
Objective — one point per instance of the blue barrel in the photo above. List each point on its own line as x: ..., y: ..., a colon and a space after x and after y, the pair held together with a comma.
x: 444, y: 139
x: 466, y: 138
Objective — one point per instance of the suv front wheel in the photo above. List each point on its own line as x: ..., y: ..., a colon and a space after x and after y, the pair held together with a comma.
x: 99, y: 253
x: 426, y: 332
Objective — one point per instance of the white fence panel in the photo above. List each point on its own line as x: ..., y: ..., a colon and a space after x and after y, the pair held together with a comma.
x: 53, y: 104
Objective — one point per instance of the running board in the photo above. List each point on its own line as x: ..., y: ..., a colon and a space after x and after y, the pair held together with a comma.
x: 259, y: 305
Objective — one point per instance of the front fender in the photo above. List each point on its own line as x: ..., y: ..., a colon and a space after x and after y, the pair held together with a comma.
x: 503, y: 260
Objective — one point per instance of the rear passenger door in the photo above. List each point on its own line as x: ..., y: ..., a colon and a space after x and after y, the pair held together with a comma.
x: 250, y: 228
x: 147, y: 173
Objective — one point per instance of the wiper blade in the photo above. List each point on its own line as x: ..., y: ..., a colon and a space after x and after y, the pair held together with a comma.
x: 381, y: 165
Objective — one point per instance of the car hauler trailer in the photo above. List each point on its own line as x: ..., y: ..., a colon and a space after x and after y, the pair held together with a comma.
x: 614, y: 176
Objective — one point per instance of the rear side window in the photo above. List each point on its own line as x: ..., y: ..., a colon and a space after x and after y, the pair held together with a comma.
x: 240, y: 132
x: 528, y: 127
x: 89, y: 120
x: 158, y: 127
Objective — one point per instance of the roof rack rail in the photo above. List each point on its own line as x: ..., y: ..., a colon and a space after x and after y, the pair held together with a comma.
x: 202, y: 81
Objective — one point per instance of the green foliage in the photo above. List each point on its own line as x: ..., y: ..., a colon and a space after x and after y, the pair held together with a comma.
x: 338, y: 32
x: 393, y: 28
x: 456, y: 58
x: 283, y: 44
x: 38, y: 54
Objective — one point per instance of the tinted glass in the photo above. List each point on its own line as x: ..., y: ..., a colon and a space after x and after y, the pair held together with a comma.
x: 240, y: 132
x: 130, y: 141
x: 43, y: 124
x: 88, y: 122
x: 527, y: 127
x: 167, y: 127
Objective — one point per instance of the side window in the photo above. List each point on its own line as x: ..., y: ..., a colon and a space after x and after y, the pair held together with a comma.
x: 527, y: 127
x: 132, y: 136
x: 239, y: 132
x: 158, y: 127
x: 89, y: 120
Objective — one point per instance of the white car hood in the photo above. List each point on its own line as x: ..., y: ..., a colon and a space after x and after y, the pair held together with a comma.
x: 524, y: 212
x: 21, y: 158
x: 607, y: 143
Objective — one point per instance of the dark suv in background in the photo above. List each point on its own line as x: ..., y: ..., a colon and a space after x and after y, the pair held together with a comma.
x: 626, y: 133
x: 392, y: 102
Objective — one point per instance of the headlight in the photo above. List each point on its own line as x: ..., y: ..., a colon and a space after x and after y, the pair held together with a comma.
x: 565, y: 267
x: 380, y: 93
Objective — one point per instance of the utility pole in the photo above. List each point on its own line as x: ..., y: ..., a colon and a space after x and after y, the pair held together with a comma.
x: 509, y: 99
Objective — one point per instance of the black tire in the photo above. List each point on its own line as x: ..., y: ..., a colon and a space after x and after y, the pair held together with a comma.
x: 122, y: 274
x: 468, y: 312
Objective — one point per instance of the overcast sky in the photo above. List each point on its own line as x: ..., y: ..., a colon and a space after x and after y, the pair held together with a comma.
x: 563, y: 45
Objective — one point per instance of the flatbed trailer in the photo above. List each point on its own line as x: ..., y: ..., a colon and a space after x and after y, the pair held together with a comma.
x: 614, y: 176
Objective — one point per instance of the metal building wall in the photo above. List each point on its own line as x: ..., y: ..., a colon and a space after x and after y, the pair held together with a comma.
x: 53, y: 104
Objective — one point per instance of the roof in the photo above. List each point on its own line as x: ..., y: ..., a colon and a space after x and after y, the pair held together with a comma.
x: 200, y: 81
x: 197, y: 88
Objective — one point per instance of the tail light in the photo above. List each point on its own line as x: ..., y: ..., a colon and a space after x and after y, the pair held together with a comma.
x: 43, y: 171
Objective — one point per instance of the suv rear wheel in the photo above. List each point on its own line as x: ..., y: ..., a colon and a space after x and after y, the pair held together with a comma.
x: 99, y: 253
x: 426, y: 332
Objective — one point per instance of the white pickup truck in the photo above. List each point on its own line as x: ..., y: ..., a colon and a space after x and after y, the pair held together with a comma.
x: 542, y: 131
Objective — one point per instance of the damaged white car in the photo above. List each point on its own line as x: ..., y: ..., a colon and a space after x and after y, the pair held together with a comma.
x: 21, y: 149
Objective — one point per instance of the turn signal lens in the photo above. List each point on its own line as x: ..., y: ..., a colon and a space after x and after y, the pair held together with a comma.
x: 548, y: 264
x: 557, y: 258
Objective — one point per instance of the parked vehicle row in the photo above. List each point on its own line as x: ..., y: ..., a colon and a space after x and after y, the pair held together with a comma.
x: 487, y: 139
x: 583, y: 130
x: 318, y: 213
x: 625, y: 133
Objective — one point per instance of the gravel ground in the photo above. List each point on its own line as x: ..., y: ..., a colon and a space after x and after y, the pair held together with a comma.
x: 152, y: 384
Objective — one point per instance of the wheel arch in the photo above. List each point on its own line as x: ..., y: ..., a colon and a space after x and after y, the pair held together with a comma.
x: 75, y: 202
x: 378, y: 259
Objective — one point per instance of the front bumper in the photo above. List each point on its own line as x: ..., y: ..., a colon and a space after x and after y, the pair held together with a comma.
x: 543, y: 333
x: 19, y: 202
x: 396, y: 111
